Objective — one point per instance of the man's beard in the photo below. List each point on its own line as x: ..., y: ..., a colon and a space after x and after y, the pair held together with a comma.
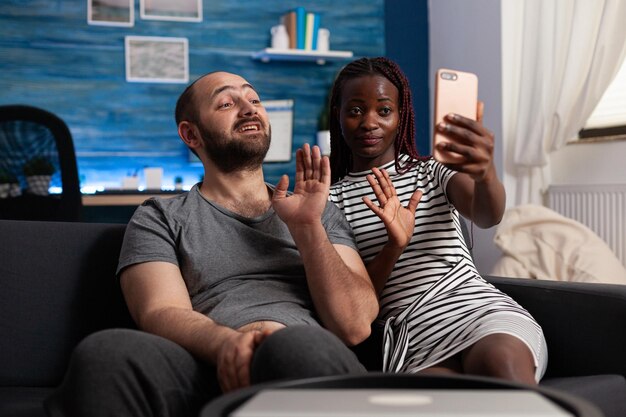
x: 235, y: 154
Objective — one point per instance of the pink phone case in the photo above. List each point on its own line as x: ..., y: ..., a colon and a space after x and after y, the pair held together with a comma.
x: 455, y: 92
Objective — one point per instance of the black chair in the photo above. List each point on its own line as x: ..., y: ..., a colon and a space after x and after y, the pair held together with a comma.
x: 27, y: 132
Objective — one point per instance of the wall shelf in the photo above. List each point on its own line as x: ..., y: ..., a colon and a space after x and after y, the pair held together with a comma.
x: 269, y: 54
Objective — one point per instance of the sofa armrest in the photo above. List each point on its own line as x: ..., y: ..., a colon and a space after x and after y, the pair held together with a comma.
x: 57, y: 285
x: 584, y: 323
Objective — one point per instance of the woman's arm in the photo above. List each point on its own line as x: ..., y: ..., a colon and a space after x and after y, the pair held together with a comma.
x: 398, y: 220
x: 476, y: 190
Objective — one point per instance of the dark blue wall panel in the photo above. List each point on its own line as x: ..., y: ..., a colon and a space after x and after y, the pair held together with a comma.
x: 406, y: 31
x: 51, y: 58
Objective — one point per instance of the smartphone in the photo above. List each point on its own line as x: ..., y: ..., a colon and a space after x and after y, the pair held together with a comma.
x: 455, y: 92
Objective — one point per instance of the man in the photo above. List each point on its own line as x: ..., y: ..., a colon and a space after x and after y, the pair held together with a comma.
x: 231, y: 282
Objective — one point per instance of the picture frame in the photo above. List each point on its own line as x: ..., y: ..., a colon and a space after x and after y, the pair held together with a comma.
x: 179, y: 10
x: 111, y: 12
x: 280, y: 114
x: 157, y: 59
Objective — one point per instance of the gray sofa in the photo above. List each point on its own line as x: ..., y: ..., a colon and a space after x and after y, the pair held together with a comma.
x: 57, y: 285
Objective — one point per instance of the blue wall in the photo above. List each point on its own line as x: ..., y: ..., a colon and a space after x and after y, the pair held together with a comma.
x: 51, y: 58
x: 408, y: 20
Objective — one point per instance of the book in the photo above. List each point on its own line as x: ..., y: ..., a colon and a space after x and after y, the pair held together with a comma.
x: 289, y: 20
x: 300, y: 27
x: 316, y: 26
x: 310, y: 39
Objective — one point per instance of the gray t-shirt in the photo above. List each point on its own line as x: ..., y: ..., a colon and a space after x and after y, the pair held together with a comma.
x: 237, y: 270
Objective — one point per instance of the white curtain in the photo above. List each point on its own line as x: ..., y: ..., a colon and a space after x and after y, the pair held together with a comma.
x: 559, y: 56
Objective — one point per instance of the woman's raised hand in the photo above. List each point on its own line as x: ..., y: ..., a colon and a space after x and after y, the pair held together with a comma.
x: 399, y: 220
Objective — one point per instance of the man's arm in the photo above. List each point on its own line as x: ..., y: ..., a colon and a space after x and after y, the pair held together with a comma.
x: 158, y: 301
x: 340, y: 287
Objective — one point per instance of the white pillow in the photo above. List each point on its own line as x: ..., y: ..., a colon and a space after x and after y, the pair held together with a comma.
x: 550, y: 246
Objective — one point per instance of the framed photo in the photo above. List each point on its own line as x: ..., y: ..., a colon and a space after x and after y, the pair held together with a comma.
x: 280, y: 113
x: 179, y: 10
x: 111, y: 12
x: 157, y: 59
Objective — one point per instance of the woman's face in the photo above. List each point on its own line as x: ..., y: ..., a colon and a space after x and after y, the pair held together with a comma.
x: 369, y: 113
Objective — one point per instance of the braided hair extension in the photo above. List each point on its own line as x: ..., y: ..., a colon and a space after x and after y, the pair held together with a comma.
x: 340, y: 154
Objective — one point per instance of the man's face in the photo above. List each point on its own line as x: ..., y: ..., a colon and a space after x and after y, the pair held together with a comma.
x: 233, y: 123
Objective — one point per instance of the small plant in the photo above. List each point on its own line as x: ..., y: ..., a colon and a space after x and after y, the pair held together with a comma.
x: 178, y: 182
x: 38, y: 165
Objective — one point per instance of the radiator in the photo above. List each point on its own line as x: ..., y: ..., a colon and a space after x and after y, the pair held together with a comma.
x: 602, y: 208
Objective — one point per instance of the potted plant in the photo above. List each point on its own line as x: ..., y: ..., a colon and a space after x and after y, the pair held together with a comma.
x: 38, y: 171
x: 178, y: 183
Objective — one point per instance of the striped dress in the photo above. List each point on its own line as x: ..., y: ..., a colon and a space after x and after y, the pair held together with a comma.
x: 435, y: 303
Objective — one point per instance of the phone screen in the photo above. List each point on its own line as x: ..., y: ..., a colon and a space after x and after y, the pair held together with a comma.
x: 455, y: 92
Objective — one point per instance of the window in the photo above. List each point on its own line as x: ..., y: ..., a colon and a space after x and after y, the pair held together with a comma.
x: 608, y: 120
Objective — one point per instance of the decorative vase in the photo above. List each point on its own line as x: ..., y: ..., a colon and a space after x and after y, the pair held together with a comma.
x: 323, y: 141
x: 38, y: 184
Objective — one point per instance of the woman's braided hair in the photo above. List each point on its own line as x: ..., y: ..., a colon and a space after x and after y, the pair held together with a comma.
x: 340, y: 154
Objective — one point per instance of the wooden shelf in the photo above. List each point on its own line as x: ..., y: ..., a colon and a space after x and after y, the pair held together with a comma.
x: 122, y: 199
x: 269, y: 54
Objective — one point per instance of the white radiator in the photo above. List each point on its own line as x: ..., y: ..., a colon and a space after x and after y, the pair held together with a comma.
x: 602, y: 208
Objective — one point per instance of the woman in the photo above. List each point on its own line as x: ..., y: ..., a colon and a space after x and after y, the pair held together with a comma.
x: 439, y: 314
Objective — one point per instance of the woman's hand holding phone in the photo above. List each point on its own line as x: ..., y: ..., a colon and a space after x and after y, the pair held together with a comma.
x: 456, y: 92
x: 471, y: 142
x: 460, y: 141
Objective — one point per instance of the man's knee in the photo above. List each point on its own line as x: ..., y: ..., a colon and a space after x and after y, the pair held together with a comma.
x: 299, y: 345
x: 110, y: 348
x: 302, y: 352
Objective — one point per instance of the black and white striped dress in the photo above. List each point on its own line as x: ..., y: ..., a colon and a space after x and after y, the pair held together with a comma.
x: 435, y: 303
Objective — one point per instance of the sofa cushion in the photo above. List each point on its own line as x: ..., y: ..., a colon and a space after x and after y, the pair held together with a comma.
x: 607, y: 392
x: 539, y: 243
x: 23, y: 402
x: 57, y: 284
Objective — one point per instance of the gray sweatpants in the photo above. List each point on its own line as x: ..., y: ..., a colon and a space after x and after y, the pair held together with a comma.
x: 123, y: 372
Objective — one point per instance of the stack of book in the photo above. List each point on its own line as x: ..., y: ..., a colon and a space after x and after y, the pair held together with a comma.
x: 302, y: 27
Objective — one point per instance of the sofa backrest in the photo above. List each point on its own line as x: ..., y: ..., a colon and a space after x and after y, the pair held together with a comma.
x: 57, y: 285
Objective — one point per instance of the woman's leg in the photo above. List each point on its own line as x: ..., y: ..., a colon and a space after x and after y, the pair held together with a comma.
x: 500, y: 355
x: 450, y: 366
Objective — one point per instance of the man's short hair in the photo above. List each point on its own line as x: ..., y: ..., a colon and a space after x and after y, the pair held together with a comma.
x: 185, y: 105
x: 186, y: 108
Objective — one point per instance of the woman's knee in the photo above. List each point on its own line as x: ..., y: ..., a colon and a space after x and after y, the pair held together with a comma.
x: 502, y: 356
